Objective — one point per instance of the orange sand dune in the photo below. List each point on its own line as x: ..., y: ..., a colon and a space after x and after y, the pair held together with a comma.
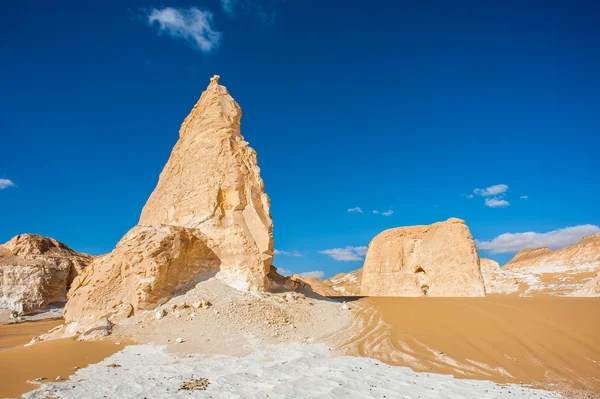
x: 51, y: 359
x: 548, y: 342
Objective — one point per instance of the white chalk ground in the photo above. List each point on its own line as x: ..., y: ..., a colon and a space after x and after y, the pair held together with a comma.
x: 290, y: 370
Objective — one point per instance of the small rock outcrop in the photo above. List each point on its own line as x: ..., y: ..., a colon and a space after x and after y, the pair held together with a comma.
x: 497, y: 281
x: 146, y: 268
x: 36, y: 271
x: 433, y: 260
x: 346, y: 284
x: 212, y: 183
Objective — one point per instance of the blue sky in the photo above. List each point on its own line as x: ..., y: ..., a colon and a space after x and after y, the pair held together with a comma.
x: 420, y: 111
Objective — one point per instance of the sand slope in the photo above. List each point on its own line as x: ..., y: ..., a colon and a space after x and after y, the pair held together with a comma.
x: 547, y: 342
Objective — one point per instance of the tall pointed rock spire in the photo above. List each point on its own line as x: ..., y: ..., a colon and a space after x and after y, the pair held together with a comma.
x: 212, y: 182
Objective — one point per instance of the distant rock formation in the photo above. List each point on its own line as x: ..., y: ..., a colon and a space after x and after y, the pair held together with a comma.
x: 585, y: 252
x: 433, y: 260
x: 346, y: 284
x: 569, y: 271
x: 36, y: 271
x: 208, y: 213
x: 497, y: 281
x: 212, y: 183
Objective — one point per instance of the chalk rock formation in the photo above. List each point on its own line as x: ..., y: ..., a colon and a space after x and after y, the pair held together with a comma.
x: 146, y: 268
x: 36, y: 271
x: 568, y: 271
x: 434, y: 260
x: 212, y: 183
x: 497, y: 281
x: 208, y: 214
x: 585, y: 252
x: 346, y: 284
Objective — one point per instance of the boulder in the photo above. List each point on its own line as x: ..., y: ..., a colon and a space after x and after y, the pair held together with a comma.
x: 212, y: 183
x: 36, y: 271
x: 147, y: 267
x: 433, y: 260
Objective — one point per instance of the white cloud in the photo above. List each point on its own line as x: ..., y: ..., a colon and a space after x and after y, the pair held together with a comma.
x: 316, y: 274
x: 496, y: 202
x: 284, y: 272
x: 346, y: 254
x: 492, y: 190
x: 286, y: 253
x: 384, y: 213
x: 355, y: 209
x: 468, y: 195
x: 192, y: 24
x: 513, y: 242
x: 5, y: 183
x: 524, y: 197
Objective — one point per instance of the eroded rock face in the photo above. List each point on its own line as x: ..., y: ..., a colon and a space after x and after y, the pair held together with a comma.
x: 346, y: 284
x: 212, y: 183
x: 36, y: 271
x: 569, y: 271
x: 433, y: 260
x: 497, y: 281
x: 146, y: 268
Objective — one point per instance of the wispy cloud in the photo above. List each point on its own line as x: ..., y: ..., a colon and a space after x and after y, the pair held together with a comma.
x: 228, y: 6
x: 468, y: 195
x: 346, y: 254
x: 492, y: 190
x: 355, y: 210
x: 284, y: 272
x: 192, y: 24
x: 496, y: 202
x: 524, y: 197
x: 513, y: 242
x: 316, y: 274
x: 286, y: 253
x: 263, y: 9
x: 389, y: 212
x: 5, y: 183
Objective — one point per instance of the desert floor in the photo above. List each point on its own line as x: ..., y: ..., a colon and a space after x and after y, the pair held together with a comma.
x: 495, y: 347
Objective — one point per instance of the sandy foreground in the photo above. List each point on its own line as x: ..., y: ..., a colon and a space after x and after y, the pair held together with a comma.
x: 296, y: 345
x: 548, y: 342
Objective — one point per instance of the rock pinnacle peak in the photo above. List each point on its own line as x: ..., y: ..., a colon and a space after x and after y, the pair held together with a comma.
x: 214, y: 80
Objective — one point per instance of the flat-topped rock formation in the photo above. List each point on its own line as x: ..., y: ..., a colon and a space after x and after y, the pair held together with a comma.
x: 36, y: 271
x: 432, y: 260
x: 212, y: 183
x: 208, y: 214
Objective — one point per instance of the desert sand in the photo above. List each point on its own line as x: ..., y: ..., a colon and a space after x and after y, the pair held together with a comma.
x: 20, y: 364
x: 545, y: 342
